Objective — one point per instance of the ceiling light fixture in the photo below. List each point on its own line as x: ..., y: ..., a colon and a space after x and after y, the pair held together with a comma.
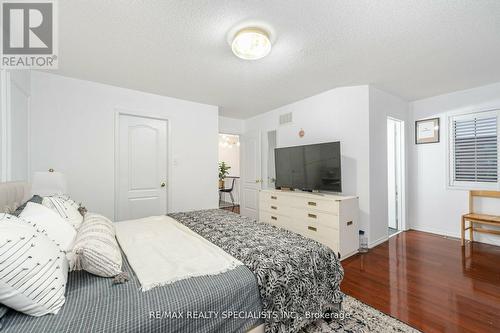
x: 251, y: 44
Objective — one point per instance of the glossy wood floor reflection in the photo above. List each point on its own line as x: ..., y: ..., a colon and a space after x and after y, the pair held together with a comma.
x: 429, y: 282
x: 235, y: 209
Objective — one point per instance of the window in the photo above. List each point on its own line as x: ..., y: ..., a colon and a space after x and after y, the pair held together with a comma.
x: 474, y: 150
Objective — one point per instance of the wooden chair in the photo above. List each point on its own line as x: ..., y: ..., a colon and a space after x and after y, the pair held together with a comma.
x: 475, y: 218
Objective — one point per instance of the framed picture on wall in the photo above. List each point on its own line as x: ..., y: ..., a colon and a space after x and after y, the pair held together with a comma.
x: 427, y: 131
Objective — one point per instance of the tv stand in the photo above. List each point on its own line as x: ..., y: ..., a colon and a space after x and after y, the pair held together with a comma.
x: 327, y: 218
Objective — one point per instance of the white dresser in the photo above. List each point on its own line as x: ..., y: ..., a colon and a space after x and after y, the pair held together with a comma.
x: 329, y: 219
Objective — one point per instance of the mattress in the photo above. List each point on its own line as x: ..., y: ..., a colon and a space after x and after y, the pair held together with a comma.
x: 199, y: 304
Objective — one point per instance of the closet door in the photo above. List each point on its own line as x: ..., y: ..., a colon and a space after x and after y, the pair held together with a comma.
x: 251, y: 174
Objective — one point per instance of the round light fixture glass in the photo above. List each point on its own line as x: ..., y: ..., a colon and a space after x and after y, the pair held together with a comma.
x: 251, y: 44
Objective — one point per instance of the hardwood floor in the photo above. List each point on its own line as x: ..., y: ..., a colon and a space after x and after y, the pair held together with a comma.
x: 429, y: 282
x: 235, y: 209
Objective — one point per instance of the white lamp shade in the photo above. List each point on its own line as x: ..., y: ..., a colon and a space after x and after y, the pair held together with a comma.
x: 48, y: 183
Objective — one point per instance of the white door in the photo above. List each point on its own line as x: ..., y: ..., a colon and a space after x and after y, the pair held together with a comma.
x: 395, y: 173
x: 141, y: 168
x: 251, y: 174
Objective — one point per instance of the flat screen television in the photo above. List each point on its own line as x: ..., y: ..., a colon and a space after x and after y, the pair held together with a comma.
x: 309, y: 168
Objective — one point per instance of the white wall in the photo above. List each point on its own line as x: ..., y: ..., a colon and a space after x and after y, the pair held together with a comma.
x: 434, y: 207
x: 231, y: 125
x: 73, y: 124
x: 336, y: 115
x: 382, y: 105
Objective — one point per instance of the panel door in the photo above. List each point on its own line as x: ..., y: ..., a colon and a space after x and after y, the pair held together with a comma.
x: 142, y: 167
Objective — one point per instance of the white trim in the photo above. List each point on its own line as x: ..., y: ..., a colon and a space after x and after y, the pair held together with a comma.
x: 438, y: 232
x: 404, y: 169
x: 3, y: 125
x: 26, y: 94
x: 141, y: 114
x: 8, y: 127
x: 396, y: 233
x: 378, y: 241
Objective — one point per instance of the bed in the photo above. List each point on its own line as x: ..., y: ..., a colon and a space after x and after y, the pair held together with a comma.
x: 285, y: 281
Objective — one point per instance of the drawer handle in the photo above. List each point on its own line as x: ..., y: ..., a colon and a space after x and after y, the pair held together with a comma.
x: 311, y: 203
x: 274, y: 207
x: 313, y: 216
x: 349, y: 223
x: 274, y: 197
x: 312, y: 228
x: 274, y: 218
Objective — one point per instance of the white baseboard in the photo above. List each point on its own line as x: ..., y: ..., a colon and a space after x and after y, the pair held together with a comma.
x: 436, y: 231
x: 455, y: 235
x: 378, y: 242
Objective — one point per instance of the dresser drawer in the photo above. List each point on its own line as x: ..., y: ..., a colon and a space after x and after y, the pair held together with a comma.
x: 279, y: 198
x: 315, y: 218
x: 277, y: 220
x: 329, y: 206
x: 271, y: 197
x: 273, y: 207
x: 324, y: 235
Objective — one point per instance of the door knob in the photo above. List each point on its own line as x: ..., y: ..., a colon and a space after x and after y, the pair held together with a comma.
x: 163, y: 184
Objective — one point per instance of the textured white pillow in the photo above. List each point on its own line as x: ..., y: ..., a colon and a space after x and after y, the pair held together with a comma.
x: 66, y: 208
x: 50, y: 223
x: 96, y: 249
x: 33, y: 269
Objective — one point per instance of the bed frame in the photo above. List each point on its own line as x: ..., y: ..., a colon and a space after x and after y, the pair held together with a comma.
x: 12, y: 195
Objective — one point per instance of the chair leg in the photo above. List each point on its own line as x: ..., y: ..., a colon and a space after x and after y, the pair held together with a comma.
x: 232, y: 198
x: 462, y: 231
x: 471, y: 231
x: 220, y: 198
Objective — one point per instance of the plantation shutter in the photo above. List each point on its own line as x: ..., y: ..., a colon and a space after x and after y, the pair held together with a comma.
x: 475, y: 148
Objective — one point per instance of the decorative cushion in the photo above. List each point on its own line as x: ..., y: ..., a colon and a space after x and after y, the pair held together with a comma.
x: 66, y: 208
x: 50, y: 223
x: 36, y: 199
x: 33, y: 269
x: 96, y: 249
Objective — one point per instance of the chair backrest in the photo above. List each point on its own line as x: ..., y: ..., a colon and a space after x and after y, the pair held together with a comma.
x: 232, y: 184
x: 483, y: 194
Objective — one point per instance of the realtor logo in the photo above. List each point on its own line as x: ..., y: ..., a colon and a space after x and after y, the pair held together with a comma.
x: 29, y: 34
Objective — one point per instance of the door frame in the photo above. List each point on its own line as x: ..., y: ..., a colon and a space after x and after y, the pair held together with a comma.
x: 6, y: 84
x: 148, y: 115
x: 403, y: 172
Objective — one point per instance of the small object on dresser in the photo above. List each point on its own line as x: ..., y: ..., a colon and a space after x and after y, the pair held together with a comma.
x: 363, y: 242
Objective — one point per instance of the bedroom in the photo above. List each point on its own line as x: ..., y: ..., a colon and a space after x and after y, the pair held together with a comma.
x: 128, y: 114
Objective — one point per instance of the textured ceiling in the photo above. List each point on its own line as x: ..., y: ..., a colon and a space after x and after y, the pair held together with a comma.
x: 414, y: 49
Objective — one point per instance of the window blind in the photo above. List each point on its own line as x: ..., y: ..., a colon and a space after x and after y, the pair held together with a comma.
x: 475, y: 147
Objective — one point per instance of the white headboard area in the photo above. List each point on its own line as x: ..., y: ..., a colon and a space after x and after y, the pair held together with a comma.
x: 12, y: 195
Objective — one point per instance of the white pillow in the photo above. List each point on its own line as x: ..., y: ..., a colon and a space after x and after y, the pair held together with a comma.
x: 49, y: 222
x: 66, y: 208
x: 96, y: 249
x: 33, y: 269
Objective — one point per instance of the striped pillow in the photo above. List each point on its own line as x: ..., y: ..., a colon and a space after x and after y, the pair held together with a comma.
x: 33, y: 269
x: 96, y: 249
x: 67, y: 208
